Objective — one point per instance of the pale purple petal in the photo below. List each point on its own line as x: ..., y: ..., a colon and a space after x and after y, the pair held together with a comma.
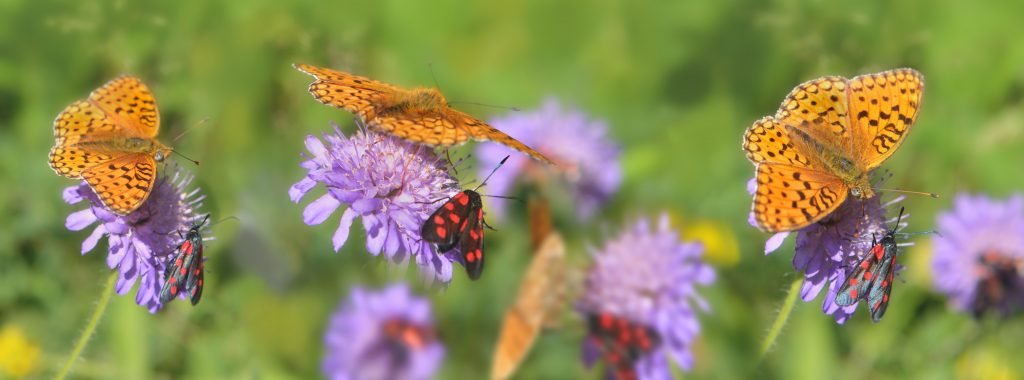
x: 358, y: 345
x: 318, y: 211
x: 385, y: 181
x: 648, y: 276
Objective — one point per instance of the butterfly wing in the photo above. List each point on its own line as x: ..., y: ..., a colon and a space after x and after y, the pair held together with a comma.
x: 883, y: 107
x: 482, y: 131
x: 358, y: 95
x: 818, y: 108
x: 80, y: 120
x: 130, y: 104
x: 789, y: 198
x: 445, y: 225
x: 124, y: 183
x: 793, y: 188
x: 537, y: 301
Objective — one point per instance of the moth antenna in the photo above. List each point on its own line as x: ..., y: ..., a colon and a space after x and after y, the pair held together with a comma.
x: 224, y: 220
x: 933, y: 195
x: 932, y: 232
x: 492, y: 172
x: 502, y: 197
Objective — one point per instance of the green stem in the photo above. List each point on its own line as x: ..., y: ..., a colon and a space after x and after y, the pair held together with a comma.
x: 780, y: 321
x: 89, y: 328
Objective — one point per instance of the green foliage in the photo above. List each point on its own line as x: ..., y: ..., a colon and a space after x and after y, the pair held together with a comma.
x: 677, y: 81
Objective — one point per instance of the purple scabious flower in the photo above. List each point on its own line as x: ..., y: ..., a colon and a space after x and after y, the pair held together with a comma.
x: 386, y: 334
x: 587, y: 158
x: 141, y: 242
x: 648, y: 276
x: 979, y: 254
x: 828, y: 250
x: 393, y: 185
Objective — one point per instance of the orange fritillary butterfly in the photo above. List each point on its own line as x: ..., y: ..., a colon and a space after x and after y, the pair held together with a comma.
x: 536, y: 306
x: 827, y: 136
x: 420, y: 115
x: 109, y: 140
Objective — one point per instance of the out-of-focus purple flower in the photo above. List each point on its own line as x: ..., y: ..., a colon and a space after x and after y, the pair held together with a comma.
x: 386, y: 334
x: 140, y: 242
x: 393, y: 185
x: 828, y: 250
x: 588, y: 160
x: 979, y: 254
x: 648, y: 276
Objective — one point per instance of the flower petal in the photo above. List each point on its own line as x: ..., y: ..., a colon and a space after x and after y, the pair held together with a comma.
x: 299, y: 189
x: 90, y: 242
x: 318, y: 211
x: 775, y: 242
x: 78, y: 220
x: 341, y: 234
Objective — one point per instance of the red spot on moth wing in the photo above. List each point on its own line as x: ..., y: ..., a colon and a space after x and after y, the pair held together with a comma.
x: 868, y: 276
x: 455, y: 218
x: 462, y: 198
x: 449, y: 206
x: 878, y: 251
x: 438, y: 219
x: 441, y: 232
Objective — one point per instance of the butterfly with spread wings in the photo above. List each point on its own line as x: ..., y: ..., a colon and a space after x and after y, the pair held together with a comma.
x: 824, y: 141
x: 420, y: 115
x: 109, y: 140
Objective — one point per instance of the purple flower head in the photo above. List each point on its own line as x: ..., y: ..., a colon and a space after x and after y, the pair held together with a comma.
x: 393, y: 185
x: 648, y: 276
x: 587, y: 159
x: 141, y: 242
x: 979, y: 254
x: 386, y: 334
x: 828, y: 250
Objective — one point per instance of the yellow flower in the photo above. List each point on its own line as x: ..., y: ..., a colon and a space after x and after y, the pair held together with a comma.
x: 720, y: 245
x: 18, y: 356
x: 983, y: 362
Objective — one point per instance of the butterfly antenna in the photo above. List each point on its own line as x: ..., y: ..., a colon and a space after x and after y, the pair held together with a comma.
x: 194, y: 126
x: 185, y: 157
x: 513, y: 109
x: 430, y: 66
x: 933, y: 195
x: 492, y: 172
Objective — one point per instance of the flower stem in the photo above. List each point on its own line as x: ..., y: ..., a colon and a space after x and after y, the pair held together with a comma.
x: 89, y: 328
x: 780, y: 321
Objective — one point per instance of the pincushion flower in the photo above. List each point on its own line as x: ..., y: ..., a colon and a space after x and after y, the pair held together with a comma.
x: 386, y: 334
x: 979, y: 254
x: 390, y: 184
x: 587, y: 159
x: 647, y: 275
x: 827, y: 251
x: 140, y: 242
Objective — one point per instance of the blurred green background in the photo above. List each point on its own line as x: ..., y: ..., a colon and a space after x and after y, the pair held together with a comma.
x: 677, y: 81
